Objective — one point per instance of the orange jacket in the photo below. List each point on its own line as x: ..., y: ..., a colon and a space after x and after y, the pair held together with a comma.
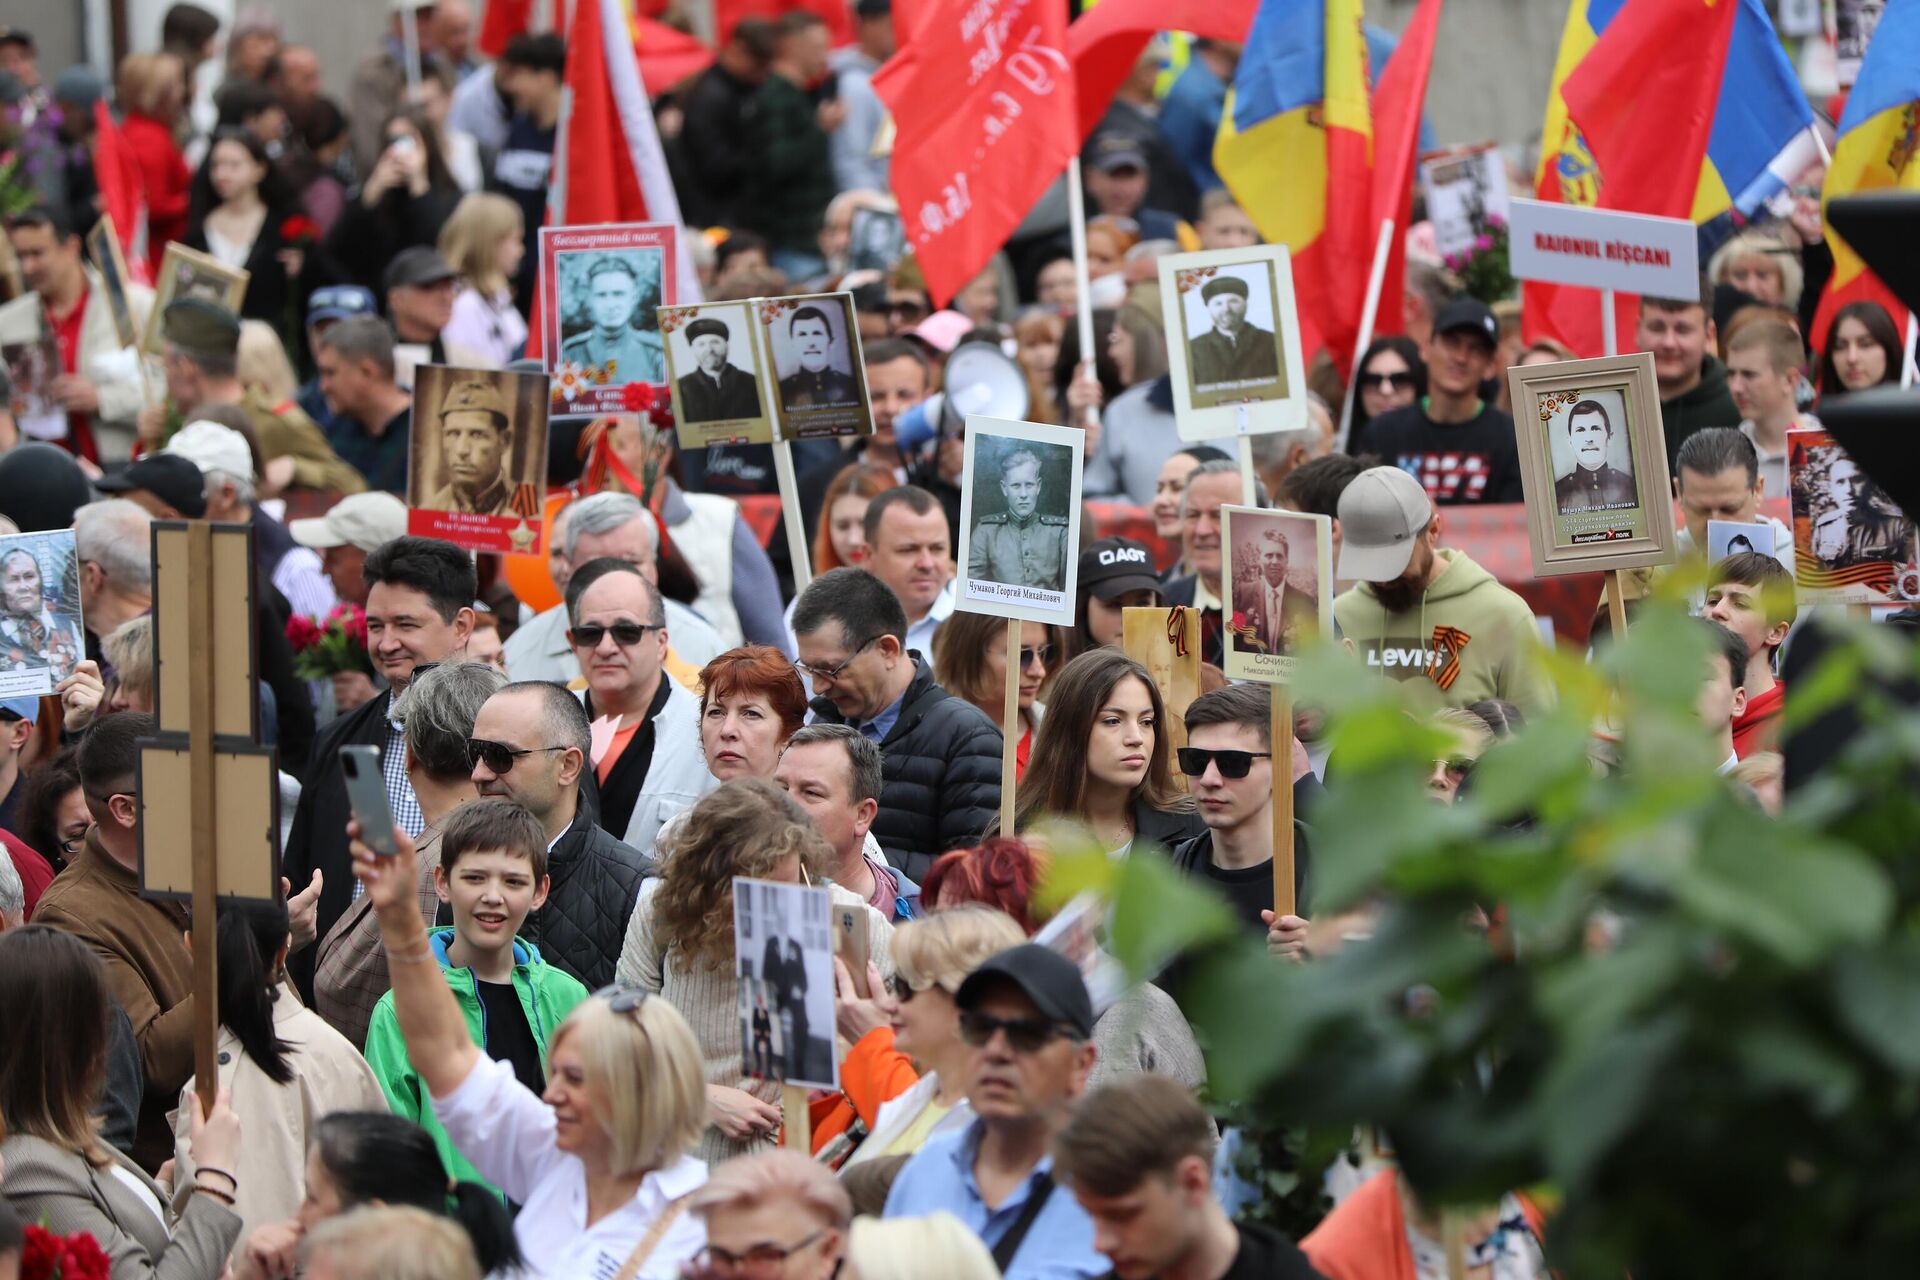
x: 872, y: 1074
x: 1365, y: 1237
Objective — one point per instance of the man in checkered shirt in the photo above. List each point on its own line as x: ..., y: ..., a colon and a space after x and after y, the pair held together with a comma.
x: 419, y: 613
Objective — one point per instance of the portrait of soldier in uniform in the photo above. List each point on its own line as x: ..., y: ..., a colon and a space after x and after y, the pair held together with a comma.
x: 1235, y: 349
x: 817, y: 380
x: 716, y: 390
x: 1269, y: 614
x: 616, y: 295
x: 1021, y: 545
x: 1859, y: 525
x: 476, y: 447
x: 1592, y: 484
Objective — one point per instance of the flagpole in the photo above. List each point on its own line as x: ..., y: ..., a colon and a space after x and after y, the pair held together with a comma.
x: 1376, y: 280
x: 1608, y: 333
x: 1082, y: 283
x: 410, y: 41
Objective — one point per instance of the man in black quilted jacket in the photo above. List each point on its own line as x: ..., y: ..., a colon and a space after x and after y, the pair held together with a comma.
x: 940, y: 755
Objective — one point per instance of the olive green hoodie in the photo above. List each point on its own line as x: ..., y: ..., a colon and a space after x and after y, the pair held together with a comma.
x: 1468, y: 635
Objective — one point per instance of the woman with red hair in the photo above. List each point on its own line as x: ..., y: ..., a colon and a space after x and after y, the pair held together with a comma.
x: 751, y: 702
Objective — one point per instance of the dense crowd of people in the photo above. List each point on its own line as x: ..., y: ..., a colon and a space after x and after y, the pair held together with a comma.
x: 505, y: 1037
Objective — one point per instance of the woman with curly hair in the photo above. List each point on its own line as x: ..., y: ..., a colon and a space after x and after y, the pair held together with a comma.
x: 680, y: 941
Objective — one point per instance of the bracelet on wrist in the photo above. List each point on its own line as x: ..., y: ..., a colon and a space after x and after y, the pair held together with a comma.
x: 218, y: 1173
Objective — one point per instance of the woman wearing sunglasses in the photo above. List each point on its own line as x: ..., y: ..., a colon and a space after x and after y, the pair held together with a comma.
x: 1391, y: 377
x: 600, y: 1164
x: 680, y: 941
x: 1103, y: 758
x: 970, y: 661
x: 905, y: 1078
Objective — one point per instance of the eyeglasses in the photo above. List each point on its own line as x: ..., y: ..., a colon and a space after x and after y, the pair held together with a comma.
x: 1232, y: 764
x: 900, y: 989
x: 1387, y: 381
x: 622, y: 999
x: 498, y: 756
x: 833, y: 673
x: 70, y: 845
x: 760, y: 1260
x: 1024, y: 1035
x: 588, y: 635
x: 1027, y: 655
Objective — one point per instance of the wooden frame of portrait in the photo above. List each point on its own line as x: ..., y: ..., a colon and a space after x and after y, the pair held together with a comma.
x: 1240, y: 529
x: 1607, y: 519
x: 181, y: 261
x: 103, y: 246
x: 1247, y: 406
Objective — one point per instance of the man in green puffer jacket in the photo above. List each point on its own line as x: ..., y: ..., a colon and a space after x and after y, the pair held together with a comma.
x: 493, y: 873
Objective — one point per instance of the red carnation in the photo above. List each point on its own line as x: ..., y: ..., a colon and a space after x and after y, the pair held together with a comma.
x: 356, y: 624
x: 302, y: 632
x: 637, y: 397
x: 299, y: 231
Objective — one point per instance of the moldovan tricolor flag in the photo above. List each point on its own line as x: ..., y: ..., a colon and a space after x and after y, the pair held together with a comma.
x: 1296, y: 149
x: 1106, y: 41
x: 984, y: 107
x: 1876, y: 150
x: 607, y: 164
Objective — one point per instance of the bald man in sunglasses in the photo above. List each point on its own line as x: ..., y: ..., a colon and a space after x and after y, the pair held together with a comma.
x: 1228, y: 761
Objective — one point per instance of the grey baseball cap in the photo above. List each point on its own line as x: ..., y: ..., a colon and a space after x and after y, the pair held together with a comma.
x: 1382, y: 512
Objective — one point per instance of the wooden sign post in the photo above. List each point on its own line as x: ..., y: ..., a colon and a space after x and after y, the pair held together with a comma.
x: 209, y: 794
x: 1617, y: 604
x: 1010, y: 732
x: 798, y: 552
x: 1280, y: 729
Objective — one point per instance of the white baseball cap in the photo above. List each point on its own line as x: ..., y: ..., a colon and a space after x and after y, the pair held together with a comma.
x: 1383, y: 511
x: 212, y: 447
x: 365, y: 520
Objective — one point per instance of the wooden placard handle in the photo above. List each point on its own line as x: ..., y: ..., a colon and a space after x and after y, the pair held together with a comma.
x: 1010, y: 731
x: 1280, y: 729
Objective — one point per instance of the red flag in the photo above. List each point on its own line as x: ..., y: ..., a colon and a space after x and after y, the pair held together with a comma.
x: 837, y: 14
x: 121, y: 189
x: 1106, y: 41
x: 609, y: 166
x: 503, y: 20
x: 1647, y: 112
x: 1397, y: 101
x: 983, y: 104
x: 668, y: 56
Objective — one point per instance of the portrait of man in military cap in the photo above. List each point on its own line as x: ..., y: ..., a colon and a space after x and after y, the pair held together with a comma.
x: 609, y: 299
x: 476, y: 443
x: 1233, y: 348
x: 478, y: 456
x: 716, y: 388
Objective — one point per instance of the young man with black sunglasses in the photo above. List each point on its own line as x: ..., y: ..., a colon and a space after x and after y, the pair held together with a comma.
x: 1028, y: 1022
x: 1228, y: 761
x: 532, y: 743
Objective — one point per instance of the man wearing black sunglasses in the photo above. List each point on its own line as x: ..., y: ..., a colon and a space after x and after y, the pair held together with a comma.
x: 1228, y: 761
x: 1028, y: 1022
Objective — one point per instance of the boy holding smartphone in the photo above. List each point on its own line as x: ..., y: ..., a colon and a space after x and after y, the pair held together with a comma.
x: 492, y: 873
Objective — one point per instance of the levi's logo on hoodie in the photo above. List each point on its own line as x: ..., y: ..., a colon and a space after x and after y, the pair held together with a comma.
x: 1438, y: 659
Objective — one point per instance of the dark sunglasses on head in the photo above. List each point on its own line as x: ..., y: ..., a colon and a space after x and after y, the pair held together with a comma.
x: 498, y: 756
x: 1387, y: 381
x: 1233, y: 764
x: 588, y: 635
x: 1024, y: 1035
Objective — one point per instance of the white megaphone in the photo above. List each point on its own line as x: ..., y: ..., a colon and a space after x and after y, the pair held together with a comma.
x: 980, y: 379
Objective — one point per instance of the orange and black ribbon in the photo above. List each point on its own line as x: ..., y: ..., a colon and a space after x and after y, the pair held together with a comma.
x: 1177, y: 630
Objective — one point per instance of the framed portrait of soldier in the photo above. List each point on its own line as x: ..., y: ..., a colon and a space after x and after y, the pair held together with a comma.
x: 813, y: 343
x: 479, y: 458
x: 601, y: 291
x: 1279, y: 574
x: 103, y: 246
x: 1020, y: 520
x: 718, y: 375
x: 187, y: 273
x: 783, y: 962
x: 1733, y: 537
x: 1233, y: 342
x: 1851, y: 544
x: 41, y: 636
x: 1593, y: 464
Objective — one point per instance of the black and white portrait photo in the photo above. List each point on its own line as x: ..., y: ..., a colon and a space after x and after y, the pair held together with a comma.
x: 1233, y: 342
x: 607, y: 300
x: 783, y: 938
x: 1234, y: 347
x: 1731, y: 537
x: 41, y: 637
x: 714, y: 363
x: 479, y: 456
x: 810, y: 354
x: 1592, y: 454
x: 1019, y: 532
x: 1850, y: 522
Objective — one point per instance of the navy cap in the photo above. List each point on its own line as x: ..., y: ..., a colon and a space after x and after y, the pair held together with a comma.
x: 173, y: 479
x: 1044, y: 976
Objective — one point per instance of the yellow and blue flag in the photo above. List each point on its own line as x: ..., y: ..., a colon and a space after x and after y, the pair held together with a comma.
x: 1296, y: 148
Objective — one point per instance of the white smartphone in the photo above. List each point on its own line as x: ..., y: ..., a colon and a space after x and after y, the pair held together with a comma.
x: 367, y: 793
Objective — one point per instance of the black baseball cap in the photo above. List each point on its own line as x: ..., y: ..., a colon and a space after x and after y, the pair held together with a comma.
x: 1114, y: 566
x: 167, y: 476
x: 1469, y: 314
x: 1044, y: 976
x: 417, y: 266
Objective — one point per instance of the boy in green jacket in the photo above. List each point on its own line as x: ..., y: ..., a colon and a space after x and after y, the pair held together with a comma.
x: 492, y: 872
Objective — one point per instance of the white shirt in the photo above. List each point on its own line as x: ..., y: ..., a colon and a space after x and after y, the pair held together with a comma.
x: 920, y: 634
x: 508, y: 1134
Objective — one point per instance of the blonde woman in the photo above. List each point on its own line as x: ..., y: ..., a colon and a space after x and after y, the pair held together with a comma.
x: 601, y: 1161
x: 936, y: 1247
x: 264, y: 369
x: 484, y: 241
x: 680, y: 942
x: 385, y: 1243
x: 1760, y: 266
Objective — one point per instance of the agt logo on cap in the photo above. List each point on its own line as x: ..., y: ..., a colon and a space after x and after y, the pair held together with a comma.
x: 1124, y: 555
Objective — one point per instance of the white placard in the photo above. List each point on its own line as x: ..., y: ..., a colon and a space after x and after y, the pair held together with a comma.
x: 1602, y: 249
x: 1465, y: 188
